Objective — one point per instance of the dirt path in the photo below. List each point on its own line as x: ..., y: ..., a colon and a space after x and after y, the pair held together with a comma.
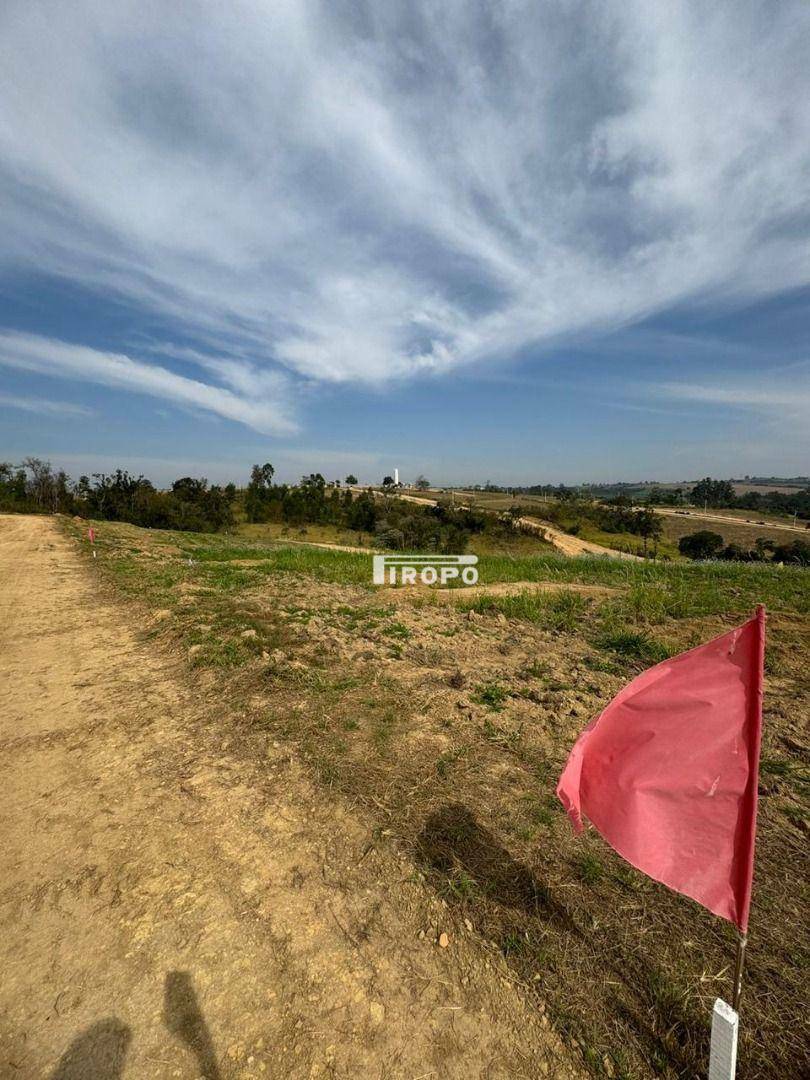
x: 174, y: 906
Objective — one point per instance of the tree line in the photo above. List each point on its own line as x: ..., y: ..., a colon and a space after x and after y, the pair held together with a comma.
x: 194, y: 505
x: 706, y: 544
x: 706, y: 493
x: 190, y: 504
x: 392, y: 522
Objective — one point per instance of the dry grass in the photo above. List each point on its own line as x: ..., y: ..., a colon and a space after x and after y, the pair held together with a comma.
x: 447, y: 726
x: 732, y: 532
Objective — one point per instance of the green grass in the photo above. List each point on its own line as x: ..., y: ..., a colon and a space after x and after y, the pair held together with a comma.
x: 630, y: 643
x: 558, y: 610
x: 492, y: 695
x: 652, y: 591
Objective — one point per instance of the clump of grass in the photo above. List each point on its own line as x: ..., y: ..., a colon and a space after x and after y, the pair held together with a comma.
x: 492, y: 695
x: 558, y: 610
x: 506, y: 740
x: 459, y: 885
x: 446, y: 760
x: 221, y: 654
x: 514, y: 944
x: 589, y: 868
x: 633, y: 644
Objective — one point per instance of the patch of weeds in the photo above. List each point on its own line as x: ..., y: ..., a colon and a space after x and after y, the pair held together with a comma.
x: 601, y: 663
x: 221, y: 654
x: 589, y: 868
x: 634, y: 645
x: 397, y: 630
x: 492, y: 695
x: 535, y: 670
x: 514, y: 944
x: 446, y: 761
x: 627, y: 876
x: 547, y: 808
x: 524, y: 832
x: 559, y: 610
x: 797, y: 816
x: 460, y: 886
x: 565, y: 610
x: 382, y: 728
x: 506, y: 740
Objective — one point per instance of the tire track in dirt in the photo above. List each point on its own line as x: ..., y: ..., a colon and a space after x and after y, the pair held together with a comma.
x: 174, y: 906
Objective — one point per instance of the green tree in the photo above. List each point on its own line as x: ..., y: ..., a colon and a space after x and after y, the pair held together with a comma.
x: 708, y: 492
x: 701, y: 545
x: 351, y: 480
x: 258, y: 492
x: 649, y: 526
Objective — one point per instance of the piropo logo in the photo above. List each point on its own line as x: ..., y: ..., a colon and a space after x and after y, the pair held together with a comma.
x: 424, y: 569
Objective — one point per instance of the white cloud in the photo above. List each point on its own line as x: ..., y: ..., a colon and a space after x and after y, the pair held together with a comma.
x: 30, y: 352
x: 769, y: 416
x: 789, y: 397
x: 44, y: 407
x: 366, y: 192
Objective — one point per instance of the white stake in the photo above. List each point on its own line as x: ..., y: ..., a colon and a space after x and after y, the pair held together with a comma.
x: 723, y: 1054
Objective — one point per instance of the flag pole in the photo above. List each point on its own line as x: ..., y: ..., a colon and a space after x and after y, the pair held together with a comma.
x: 739, y: 964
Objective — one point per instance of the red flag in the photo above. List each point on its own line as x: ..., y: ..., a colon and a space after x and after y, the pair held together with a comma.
x: 668, y: 772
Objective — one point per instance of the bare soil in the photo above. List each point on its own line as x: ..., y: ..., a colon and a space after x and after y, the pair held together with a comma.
x: 179, y: 900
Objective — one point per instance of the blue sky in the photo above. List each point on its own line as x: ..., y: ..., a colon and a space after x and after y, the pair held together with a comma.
x: 482, y: 241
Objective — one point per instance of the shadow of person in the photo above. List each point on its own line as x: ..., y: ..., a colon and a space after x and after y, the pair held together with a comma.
x: 509, y: 898
x: 452, y: 840
x: 183, y: 1017
x: 97, y: 1054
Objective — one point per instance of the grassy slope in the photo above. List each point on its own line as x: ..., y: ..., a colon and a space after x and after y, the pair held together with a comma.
x: 332, y: 534
x: 448, y: 730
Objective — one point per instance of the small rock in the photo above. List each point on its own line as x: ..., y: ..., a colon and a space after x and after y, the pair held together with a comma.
x: 468, y: 924
x: 249, y: 633
x: 193, y: 651
x: 377, y: 1012
x: 444, y: 941
x: 472, y: 616
x: 607, y: 1063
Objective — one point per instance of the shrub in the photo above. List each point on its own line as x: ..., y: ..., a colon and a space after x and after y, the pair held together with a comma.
x: 701, y: 545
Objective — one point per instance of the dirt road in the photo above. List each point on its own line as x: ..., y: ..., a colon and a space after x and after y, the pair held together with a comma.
x: 572, y: 545
x: 561, y: 541
x: 727, y: 519
x: 177, y: 900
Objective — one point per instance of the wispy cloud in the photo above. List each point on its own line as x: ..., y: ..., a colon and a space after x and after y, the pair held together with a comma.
x: 44, y: 356
x: 43, y: 407
x: 363, y: 191
x: 785, y: 397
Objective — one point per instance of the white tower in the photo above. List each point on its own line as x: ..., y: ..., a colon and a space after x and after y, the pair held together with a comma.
x: 396, y: 477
